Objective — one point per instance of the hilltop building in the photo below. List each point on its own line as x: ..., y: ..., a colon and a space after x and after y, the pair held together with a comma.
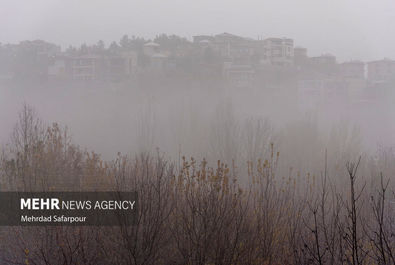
x: 381, y: 70
x: 151, y: 48
x: 232, y: 47
x: 324, y: 64
x: 353, y: 69
x: 300, y: 57
x: 87, y: 67
x: 57, y: 69
x: 121, y: 66
x: 202, y: 39
x: 278, y: 51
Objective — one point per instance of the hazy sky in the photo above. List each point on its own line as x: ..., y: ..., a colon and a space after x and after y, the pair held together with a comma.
x: 350, y: 29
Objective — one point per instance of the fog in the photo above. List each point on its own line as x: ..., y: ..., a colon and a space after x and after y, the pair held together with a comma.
x: 352, y: 29
x: 190, y: 112
x: 249, y: 132
x: 204, y: 121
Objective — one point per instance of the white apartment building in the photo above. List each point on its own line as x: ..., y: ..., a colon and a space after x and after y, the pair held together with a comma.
x: 278, y: 51
x: 86, y: 67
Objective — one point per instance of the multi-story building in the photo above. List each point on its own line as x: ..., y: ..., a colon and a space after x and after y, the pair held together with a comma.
x: 121, y: 66
x: 202, y: 38
x: 30, y: 59
x: 87, y: 67
x: 151, y: 48
x: 278, y: 51
x: 233, y: 48
x: 324, y: 64
x: 381, y: 70
x: 229, y: 47
x: 300, y: 56
x: 325, y: 59
x: 57, y: 69
x: 353, y: 69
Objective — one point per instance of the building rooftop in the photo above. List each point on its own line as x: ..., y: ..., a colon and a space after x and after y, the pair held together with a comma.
x: 388, y: 60
x: 353, y: 62
x: 151, y: 44
x: 159, y: 55
x: 87, y: 56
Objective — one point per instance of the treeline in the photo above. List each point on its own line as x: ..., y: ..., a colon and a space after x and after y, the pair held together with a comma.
x: 30, y: 60
x: 198, y: 212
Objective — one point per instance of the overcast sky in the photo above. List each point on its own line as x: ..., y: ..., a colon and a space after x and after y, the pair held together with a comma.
x: 350, y: 29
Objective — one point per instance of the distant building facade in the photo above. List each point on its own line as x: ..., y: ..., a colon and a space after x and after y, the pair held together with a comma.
x: 87, y: 67
x: 278, y: 51
x: 151, y: 48
x: 57, y: 69
x: 381, y: 70
x: 353, y: 69
x: 202, y: 38
x: 325, y: 64
x: 232, y: 47
x: 300, y: 56
x: 121, y: 66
